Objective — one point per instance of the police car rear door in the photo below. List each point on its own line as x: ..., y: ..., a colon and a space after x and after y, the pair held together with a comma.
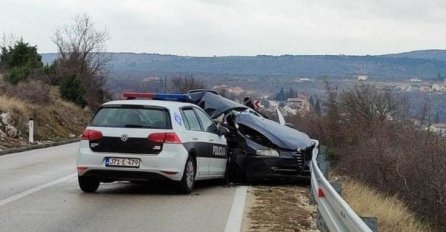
x: 197, y: 140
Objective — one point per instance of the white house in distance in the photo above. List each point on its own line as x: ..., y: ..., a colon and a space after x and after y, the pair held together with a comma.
x: 362, y: 77
x: 438, y: 128
x: 300, y: 103
x: 438, y: 87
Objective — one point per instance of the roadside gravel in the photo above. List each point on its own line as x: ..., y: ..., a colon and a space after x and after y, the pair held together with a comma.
x: 279, y: 208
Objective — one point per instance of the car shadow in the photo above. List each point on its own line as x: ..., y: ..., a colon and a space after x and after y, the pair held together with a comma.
x: 296, y: 181
x: 154, y: 188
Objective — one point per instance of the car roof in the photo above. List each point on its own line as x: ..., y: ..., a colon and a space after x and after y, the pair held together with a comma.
x: 146, y: 102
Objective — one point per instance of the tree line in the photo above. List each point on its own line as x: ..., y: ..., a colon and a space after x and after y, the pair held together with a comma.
x: 79, y: 70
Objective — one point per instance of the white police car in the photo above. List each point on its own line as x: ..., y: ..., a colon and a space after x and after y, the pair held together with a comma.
x: 140, y: 140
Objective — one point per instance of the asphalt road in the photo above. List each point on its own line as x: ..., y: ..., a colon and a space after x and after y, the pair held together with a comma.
x: 39, y: 192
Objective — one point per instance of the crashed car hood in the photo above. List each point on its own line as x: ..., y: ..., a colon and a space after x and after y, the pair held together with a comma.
x: 282, y: 136
x: 215, y: 105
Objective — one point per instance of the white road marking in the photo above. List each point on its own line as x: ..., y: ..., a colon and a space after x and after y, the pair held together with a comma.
x: 35, y: 189
x: 234, y: 222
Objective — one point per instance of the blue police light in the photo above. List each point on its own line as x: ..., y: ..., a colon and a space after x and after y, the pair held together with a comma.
x: 170, y: 97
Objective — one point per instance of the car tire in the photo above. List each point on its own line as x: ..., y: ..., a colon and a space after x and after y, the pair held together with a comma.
x: 187, y: 182
x: 88, y: 184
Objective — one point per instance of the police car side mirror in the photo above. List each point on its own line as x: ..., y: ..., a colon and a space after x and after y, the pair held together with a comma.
x: 223, y: 130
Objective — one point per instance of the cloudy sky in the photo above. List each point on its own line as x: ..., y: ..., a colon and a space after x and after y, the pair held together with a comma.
x: 238, y: 27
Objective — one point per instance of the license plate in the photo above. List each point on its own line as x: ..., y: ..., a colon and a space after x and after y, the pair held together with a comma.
x: 122, y: 162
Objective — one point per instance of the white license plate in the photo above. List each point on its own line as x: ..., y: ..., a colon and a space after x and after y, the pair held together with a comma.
x: 122, y: 162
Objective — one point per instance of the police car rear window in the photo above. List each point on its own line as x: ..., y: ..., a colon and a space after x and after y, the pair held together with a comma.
x: 132, y: 117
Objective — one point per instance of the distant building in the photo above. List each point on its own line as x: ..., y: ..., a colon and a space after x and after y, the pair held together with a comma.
x: 362, y: 77
x: 438, y: 128
x: 414, y: 80
x: 437, y: 87
x: 148, y: 79
x: 304, y: 79
x: 300, y: 103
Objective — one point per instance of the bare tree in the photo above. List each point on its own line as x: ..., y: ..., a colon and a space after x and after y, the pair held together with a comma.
x: 81, y: 50
x: 380, y: 148
x: 183, y: 84
x: 366, y: 103
x: 84, y: 42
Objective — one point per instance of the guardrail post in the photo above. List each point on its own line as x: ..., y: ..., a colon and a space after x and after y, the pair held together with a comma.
x: 31, y: 130
x: 372, y: 223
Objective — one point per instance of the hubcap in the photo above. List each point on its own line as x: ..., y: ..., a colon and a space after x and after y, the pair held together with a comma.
x: 190, y: 174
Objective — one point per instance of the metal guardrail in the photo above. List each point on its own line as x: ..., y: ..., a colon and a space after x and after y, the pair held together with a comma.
x: 336, y: 213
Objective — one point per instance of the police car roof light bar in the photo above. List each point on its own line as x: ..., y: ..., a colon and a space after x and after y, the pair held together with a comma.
x: 156, y: 96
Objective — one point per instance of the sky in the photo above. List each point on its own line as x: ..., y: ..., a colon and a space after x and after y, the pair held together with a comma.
x: 238, y: 27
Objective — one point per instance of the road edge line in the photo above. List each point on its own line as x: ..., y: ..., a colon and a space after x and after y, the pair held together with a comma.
x: 235, y: 218
x: 37, y: 146
x: 35, y: 189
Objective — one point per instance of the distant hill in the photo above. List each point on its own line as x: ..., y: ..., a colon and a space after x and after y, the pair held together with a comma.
x: 427, y: 64
x: 422, y: 54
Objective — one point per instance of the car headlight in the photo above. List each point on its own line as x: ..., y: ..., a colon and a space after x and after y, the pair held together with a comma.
x: 269, y: 152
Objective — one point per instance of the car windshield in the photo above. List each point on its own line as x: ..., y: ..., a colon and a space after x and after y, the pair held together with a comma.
x: 132, y: 117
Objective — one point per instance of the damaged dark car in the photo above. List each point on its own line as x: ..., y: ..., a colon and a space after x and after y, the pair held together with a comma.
x: 259, y: 148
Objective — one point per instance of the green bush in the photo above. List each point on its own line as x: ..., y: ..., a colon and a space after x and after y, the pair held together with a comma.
x: 19, y: 61
x: 17, y: 74
x: 72, y: 89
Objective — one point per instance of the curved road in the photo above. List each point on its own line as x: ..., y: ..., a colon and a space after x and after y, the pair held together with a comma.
x: 39, y: 192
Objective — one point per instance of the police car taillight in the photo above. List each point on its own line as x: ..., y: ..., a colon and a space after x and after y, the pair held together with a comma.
x: 169, y: 137
x: 156, y: 96
x: 91, y: 135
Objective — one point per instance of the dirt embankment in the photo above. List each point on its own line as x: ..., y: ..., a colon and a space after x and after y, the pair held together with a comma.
x: 279, y: 208
x: 54, y: 120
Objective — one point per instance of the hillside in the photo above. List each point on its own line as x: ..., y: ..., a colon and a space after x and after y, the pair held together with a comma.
x: 54, y: 118
x: 422, y: 54
x: 421, y: 64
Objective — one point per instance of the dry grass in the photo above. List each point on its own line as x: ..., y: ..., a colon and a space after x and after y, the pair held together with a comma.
x: 53, y: 120
x: 9, y: 104
x: 392, y: 214
x: 279, y: 208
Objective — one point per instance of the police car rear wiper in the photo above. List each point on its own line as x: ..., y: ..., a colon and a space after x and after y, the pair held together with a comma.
x: 133, y: 126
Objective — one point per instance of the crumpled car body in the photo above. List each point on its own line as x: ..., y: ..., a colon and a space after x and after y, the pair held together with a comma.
x: 260, y: 148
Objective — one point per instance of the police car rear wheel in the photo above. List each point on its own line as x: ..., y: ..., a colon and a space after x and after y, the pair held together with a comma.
x: 187, y: 182
x: 88, y: 184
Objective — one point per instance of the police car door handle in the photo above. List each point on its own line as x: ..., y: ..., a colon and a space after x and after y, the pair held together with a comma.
x: 195, y: 139
x: 212, y: 140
